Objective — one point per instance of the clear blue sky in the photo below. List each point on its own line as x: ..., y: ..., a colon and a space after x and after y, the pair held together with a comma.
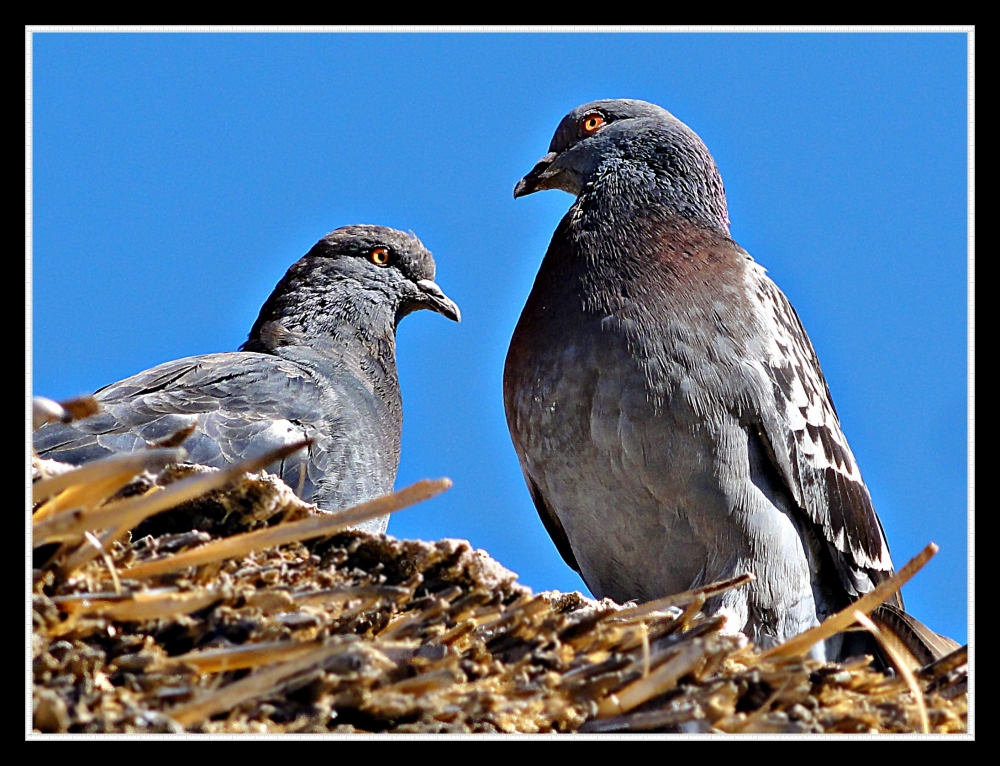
x: 176, y: 177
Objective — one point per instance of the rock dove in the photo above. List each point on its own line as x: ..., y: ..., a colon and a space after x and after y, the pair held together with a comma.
x: 319, y: 363
x: 667, y: 407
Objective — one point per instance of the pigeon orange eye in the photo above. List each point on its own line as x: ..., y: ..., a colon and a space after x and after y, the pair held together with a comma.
x: 591, y: 123
x: 380, y: 256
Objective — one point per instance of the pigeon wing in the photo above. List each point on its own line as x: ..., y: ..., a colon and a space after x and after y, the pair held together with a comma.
x: 801, y: 428
x: 552, y: 524
x: 241, y: 404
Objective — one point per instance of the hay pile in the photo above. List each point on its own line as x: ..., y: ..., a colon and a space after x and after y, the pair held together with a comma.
x: 172, y: 598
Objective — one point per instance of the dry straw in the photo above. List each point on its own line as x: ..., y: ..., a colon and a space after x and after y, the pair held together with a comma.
x: 294, y: 622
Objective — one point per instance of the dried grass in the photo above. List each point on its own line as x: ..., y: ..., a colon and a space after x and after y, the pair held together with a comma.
x: 245, y: 610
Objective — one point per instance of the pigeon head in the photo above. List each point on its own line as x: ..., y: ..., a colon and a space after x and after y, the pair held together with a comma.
x: 631, y: 147
x: 364, y: 279
x: 386, y: 261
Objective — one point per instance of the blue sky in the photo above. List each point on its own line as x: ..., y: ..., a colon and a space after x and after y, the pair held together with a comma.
x: 176, y: 177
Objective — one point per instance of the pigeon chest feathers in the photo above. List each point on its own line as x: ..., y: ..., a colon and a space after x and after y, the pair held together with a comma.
x: 663, y: 296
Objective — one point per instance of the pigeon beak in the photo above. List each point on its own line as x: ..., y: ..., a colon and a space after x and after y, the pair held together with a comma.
x: 436, y: 300
x: 537, y: 179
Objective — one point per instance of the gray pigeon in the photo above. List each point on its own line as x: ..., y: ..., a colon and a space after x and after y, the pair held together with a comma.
x: 319, y: 363
x: 668, y: 410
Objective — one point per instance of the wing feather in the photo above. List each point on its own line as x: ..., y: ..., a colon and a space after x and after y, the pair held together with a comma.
x: 808, y: 446
x: 242, y: 404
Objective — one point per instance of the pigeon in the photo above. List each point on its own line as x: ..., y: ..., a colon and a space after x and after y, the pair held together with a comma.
x: 667, y: 408
x: 319, y: 363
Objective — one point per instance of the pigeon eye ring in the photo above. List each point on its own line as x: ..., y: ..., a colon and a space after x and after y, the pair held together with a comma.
x: 380, y: 256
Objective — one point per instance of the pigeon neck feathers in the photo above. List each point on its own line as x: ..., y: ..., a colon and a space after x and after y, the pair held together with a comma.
x: 338, y: 306
x: 317, y: 302
x: 665, y: 166
x: 666, y: 287
x: 329, y: 322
